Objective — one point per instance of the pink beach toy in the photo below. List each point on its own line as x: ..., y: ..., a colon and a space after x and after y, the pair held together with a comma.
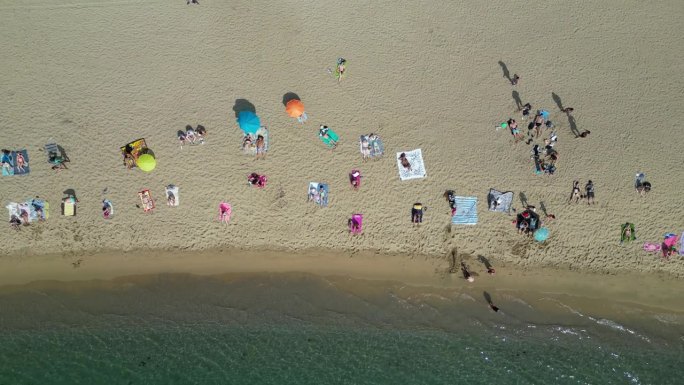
x: 355, y: 179
x: 225, y: 211
x: 356, y: 224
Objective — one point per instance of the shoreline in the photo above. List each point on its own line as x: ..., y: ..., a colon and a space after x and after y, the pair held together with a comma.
x: 658, y: 292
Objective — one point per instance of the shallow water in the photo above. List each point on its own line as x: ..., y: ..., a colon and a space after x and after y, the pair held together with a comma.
x: 305, y: 329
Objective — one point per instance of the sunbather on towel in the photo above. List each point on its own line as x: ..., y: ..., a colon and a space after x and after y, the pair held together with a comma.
x: 365, y: 149
x: 404, y: 161
x: 354, y: 225
x: 170, y: 199
x: 106, y: 209
x: 190, y: 134
x: 24, y: 213
x: 260, y: 147
x: 323, y: 131
x: 201, y: 133
x: 21, y: 162
x: 313, y: 195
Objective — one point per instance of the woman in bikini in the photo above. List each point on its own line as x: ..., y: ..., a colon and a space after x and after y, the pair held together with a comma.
x: 576, y: 194
x: 513, y: 126
x: 365, y: 149
x: 538, y: 122
x: 404, y: 161
x: 21, y: 162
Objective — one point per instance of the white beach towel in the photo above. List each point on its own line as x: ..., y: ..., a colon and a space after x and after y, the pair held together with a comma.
x: 173, y: 189
x: 414, y: 157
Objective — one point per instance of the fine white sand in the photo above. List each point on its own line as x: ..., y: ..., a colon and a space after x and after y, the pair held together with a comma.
x: 94, y: 75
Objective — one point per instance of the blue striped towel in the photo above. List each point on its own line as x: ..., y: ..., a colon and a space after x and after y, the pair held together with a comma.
x: 466, y: 211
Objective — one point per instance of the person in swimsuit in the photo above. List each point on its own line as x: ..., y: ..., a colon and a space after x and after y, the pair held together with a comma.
x: 260, y: 147
x: 247, y: 142
x: 323, y: 132
x: 404, y: 161
x: 201, y: 133
x: 589, y: 188
x: 515, y: 79
x: 526, y: 111
x: 576, y: 193
x: 466, y: 273
x: 513, y: 126
x: 21, y: 162
x: 190, y: 134
x: 354, y: 225
x: 417, y: 213
x: 323, y: 196
x: 170, y: 199
x: 341, y: 68
x: 15, y: 222
x: 538, y: 121
x: 365, y: 149
x: 181, y: 138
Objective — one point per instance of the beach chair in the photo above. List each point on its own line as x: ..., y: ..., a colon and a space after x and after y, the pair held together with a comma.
x: 355, y: 224
x: 225, y: 212
x: 132, y: 151
x: 146, y: 200
x: 69, y: 206
x: 55, y: 154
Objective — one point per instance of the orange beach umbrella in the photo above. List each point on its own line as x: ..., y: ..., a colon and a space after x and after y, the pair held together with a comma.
x: 294, y: 108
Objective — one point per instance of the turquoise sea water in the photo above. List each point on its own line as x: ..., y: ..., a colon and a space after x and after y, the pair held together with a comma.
x: 303, y: 329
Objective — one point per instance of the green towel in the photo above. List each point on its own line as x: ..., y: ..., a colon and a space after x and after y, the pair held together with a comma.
x: 632, y: 234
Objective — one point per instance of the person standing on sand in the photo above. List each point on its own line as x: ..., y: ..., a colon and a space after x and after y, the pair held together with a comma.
x: 515, y: 79
x: 589, y: 188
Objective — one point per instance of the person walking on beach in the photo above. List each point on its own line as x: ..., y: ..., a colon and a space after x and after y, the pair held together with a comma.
x: 589, y: 188
x: 515, y: 79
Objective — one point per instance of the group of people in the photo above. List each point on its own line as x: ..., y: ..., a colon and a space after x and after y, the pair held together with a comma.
x: 577, y: 195
x: 258, y: 145
x: 191, y: 135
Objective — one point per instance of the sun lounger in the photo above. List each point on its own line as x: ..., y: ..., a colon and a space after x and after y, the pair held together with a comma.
x: 356, y: 224
x: 173, y: 190
x: 69, y: 207
x: 466, y: 211
x: 417, y: 170
x: 146, y: 200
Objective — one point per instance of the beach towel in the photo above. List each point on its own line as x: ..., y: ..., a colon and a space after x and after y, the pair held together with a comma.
x: 375, y: 146
x: 13, y: 209
x: 466, y: 211
x: 39, y: 209
x: 7, y: 164
x: 651, y: 247
x: 251, y: 149
x: 499, y: 201
x: 138, y: 147
x: 319, y: 193
x: 69, y: 207
x: 24, y: 170
x: 146, y: 200
x: 173, y: 189
x: 624, y: 237
x: 331, y: 140
x: 358, y: 219
x: 417, y: 170
x: 681, y: 244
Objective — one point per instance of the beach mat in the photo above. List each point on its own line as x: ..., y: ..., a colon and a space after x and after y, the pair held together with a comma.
x: 146, y: 201
x: 315, y: 195
x: 173, y: 189
x: 623, y: 237
x: 251, y: 150
x: 331, y: 139
x: 138, y: 146
x: 7, y: 164
x: 26, y: 169
x: 417, y: 171
x: 375, y: 146
x: 466, y: 211
x: 504, y: 199
x: 35, y: 203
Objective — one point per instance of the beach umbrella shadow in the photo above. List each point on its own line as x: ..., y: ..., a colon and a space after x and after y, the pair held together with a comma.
x: 290, y: 96
x: 243, y: 105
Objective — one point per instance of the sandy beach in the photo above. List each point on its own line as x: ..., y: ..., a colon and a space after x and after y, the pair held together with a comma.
x: 95, y: 75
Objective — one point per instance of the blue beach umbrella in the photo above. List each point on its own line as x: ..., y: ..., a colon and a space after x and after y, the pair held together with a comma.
x: 541, y: 235
x: 248, y: 122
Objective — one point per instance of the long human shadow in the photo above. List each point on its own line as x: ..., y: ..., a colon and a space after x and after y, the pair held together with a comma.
x: 542, y: 206
x: 518, y: 101
x: 558, y: 101
x: 290, y: 96
x: 243, y: 105
x: 523, y: 199
x: 506, y: 73
x: 485, y: 261
x: 488, y: 298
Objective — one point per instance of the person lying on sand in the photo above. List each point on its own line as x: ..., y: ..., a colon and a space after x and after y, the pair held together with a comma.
x: 404, y: 161
x: 260, y: 147
x: 21, y: 162
x: 576, y: 194
x: 15, y: 222
x: 201, y: 133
